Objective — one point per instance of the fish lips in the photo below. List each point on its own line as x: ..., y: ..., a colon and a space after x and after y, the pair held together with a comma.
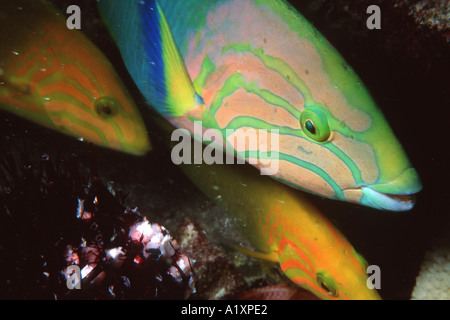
x: 396, y: 195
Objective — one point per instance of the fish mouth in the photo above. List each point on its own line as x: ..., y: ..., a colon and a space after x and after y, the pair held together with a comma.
x: 386, y: 201
x: 396, y: 195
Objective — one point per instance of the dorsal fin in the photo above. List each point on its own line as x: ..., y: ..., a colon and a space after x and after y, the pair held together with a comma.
x: 174, y: 93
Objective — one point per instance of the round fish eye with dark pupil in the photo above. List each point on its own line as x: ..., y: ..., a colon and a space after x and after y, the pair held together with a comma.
x: 310, y: 126
x: 106, y: 107
x: 327, y: 283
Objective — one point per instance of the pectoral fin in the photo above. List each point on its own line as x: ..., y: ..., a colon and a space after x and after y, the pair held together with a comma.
x: 174, y: 93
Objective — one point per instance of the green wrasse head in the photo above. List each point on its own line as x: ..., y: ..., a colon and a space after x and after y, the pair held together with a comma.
x: 349, y: 281
x: 87, y: 101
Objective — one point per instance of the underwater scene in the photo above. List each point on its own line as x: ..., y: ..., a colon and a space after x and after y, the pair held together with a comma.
x: 224, y: 150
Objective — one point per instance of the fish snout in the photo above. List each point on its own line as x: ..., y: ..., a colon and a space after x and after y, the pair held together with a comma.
x: 395, y: 195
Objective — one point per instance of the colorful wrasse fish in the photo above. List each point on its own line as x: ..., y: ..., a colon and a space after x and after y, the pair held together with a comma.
x: 58, y: 78
x: 258, y: 64
x: 287, y: 229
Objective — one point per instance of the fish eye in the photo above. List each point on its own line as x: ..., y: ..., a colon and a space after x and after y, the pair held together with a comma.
x: 309, y: 125
x: 106, y: 107
x: 326, y: 283
x: 314, y: 124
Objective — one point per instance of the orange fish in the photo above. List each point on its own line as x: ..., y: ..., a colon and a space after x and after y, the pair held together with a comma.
x: 58, y: 78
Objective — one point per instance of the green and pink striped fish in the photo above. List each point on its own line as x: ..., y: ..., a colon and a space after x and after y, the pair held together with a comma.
x: 57, y: 77
x: 258, y: 64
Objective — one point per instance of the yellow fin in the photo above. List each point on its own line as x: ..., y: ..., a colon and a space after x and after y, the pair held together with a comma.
x: 272, y: 257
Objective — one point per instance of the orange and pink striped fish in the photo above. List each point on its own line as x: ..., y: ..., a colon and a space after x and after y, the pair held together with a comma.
x: 58, y: 78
